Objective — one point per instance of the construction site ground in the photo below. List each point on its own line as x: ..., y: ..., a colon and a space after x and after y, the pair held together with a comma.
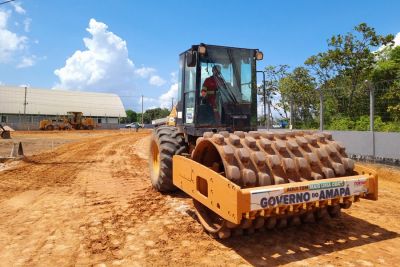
x: 84, y: 198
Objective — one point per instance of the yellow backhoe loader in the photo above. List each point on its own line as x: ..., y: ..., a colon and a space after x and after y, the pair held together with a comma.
x: 242, y: 179
x: 5, y: 132
x: 73, y: 120
x: 171, y: 119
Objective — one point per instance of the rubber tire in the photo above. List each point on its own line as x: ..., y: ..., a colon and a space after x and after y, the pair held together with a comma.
x: 169, y: 142
x: 5, y: 135
x: 50, y: 127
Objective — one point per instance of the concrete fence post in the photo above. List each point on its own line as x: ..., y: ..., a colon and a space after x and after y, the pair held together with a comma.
x: 269, y: 113
x: 371, y: 115
x: 321, y: 110
x: 291, y: 113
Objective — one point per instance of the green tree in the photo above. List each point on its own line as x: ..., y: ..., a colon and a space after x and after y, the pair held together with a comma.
x: 347, y: 64
x: 153, y: 114
x: 131, y: 116
x: 273, y: 75
x: 299, y: 87
x: 386, y: 80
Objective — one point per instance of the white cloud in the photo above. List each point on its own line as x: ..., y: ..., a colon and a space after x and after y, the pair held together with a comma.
x: 27, y: 24
x: 27, y: 62
x: 174, y: 77
x: 18, y: 8
x: 103, y: 66
x: 10, y: 42
x: 148, y: 100
x: 396, y: 41
x: 3, y: 18
x: 145, y: 72
x: 165, y: 100
x: 156, y: 80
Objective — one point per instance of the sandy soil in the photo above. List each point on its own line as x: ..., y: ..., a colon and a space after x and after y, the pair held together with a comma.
x: 39, y: 141
x: 89, y: 202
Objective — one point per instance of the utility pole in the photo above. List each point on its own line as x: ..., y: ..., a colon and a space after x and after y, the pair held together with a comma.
x: 142, y: 110
x: 264, y: 96
x: 269, y: 113
x: 25, y: 103
x: 266, y: 120
x: 291, y: 121
x: 172, y: 106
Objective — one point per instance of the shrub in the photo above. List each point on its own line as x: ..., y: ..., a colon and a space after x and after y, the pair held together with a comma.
x: 341, y: 124
x: 362, y: 124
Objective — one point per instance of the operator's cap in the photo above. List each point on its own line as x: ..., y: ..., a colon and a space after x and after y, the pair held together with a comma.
x: 217, y: 68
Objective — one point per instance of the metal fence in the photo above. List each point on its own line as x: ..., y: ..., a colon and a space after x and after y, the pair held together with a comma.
x: 365, y: 118
x: 371, y: 106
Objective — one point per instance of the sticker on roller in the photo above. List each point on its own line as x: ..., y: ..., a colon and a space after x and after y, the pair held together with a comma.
x: 189, y: 115
x: 280, y: 196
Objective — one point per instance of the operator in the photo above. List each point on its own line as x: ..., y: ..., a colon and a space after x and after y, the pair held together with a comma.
x: 211, y: 85
x: 203, y: 98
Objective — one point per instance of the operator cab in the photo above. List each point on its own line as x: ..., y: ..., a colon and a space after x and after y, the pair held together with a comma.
x: 217, y: 89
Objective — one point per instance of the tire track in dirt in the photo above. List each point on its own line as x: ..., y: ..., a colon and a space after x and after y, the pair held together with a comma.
x: 56, y: 168
x: 169, y: 236
x: 47, y: 200
x: 98, y: 208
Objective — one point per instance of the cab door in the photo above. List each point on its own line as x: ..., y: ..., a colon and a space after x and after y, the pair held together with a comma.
x: 189, y: 93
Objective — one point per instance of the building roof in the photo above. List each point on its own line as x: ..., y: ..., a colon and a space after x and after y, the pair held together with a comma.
x: 59, y: 102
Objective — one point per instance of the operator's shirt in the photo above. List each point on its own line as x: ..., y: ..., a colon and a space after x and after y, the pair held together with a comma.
x: 211, y: 84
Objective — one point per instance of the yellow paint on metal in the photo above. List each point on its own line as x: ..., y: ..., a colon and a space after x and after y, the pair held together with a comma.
x: 231, y: 202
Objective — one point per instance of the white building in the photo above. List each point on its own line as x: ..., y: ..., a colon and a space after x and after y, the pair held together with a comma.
x: 19, y: 105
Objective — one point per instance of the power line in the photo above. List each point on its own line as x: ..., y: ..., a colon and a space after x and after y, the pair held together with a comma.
x: 25, y: 103
x: 82, y: 94
x: 142, y: 110
x: 5, y: 2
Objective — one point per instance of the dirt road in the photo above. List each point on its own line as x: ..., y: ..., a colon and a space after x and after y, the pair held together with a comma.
x: 90, y: 203
x: 40, y: 141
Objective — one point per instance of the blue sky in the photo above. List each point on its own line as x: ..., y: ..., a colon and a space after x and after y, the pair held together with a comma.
x: 132, y: 46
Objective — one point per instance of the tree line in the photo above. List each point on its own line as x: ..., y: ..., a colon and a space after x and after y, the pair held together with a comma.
x: 148, y: 115
x: 352, y: 64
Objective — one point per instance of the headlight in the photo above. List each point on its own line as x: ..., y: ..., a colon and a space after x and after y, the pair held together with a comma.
x: 259, y: 55
x: 202, y: 49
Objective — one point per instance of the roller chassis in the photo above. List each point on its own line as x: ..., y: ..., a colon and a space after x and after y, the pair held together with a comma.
x: 244, y: 181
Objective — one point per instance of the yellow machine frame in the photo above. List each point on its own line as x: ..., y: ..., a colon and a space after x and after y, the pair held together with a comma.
x: 233, y: 203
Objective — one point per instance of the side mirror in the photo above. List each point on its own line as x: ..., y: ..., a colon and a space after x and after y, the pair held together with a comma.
x: 191, y: 58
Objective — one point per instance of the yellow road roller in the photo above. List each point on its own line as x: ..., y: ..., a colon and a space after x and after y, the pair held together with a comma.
x: 242, y: 179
